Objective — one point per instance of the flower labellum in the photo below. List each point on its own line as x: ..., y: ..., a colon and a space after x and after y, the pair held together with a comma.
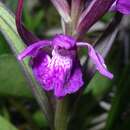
x: 123, y: 6
x: 60, y: 70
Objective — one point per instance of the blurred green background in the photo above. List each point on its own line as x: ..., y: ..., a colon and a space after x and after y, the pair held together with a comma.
x: 105, y: 104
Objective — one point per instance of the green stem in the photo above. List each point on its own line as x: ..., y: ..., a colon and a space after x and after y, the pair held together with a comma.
x: 61, y: 114
x: 68, y: 30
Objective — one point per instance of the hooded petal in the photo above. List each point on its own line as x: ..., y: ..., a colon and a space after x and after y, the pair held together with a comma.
x: 97, y: 59
x: 33, y: 49
x: 64, y: 41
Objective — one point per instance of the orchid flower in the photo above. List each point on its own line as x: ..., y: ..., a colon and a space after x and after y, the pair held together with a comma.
x: 123, y: 6
x: 55, y: 63
x: 61, y: 71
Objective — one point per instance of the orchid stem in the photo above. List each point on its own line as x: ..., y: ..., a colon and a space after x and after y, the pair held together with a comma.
x: 61, y: 114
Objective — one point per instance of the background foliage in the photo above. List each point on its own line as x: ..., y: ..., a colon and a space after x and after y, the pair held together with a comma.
x: 105, y: 104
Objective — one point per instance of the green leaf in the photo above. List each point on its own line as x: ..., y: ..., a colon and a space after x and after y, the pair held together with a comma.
x: 36, y: 18
x: 8, y: 29
x: 11, y: 78
x: 5, y: 125
x: 118, y: 115
x: 106, y: 18
x: 4, y: 48
x: 98, y: 86
x: 39, y: 119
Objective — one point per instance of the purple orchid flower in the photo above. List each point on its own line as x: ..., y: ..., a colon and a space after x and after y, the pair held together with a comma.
x: 60, y: 71
x: 55, y: 63
x: 123, y: 6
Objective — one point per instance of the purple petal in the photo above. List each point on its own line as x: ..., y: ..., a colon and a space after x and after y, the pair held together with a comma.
x: 40, y: 69
x: 55, y: 73
x: 73, y: 85
x: 97, y: 59
x: 33, y: 49
x: 63, y: 8
x: 64, y: 41
x: 92, y: 14
x: 26, y: 36
x: 67, y: 82
x: 101, y: 67
x: 59, y: 72
x: 123, y: 6
x: 75, y: 82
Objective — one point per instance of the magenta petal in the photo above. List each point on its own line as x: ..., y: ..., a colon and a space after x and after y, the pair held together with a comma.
x: 90, y: 15
x: 68, y: 82
x: 64, y: 41
x: 40, y: 69
x: 101, y: 67
x: 33, y: 49
x: 75, y: 82
x: 97, y: 59
x: 123, y: 6
x: 52, y: 73
x: 60, y: 71
x: 55, y: 73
